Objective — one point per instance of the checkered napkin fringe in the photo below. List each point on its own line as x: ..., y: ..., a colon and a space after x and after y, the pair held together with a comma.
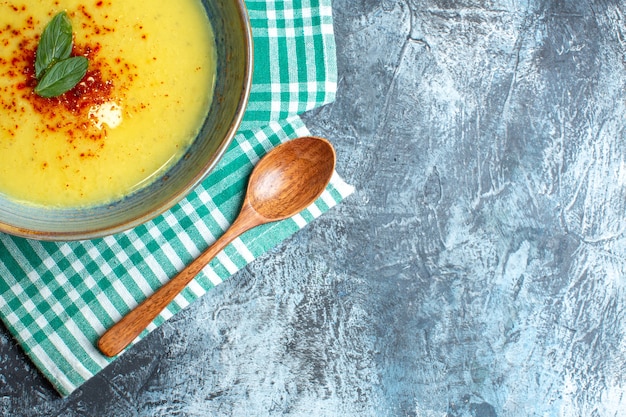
x: 58, y: 298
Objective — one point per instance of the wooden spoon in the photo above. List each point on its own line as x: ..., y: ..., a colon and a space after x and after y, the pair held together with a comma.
x: 286, y: 181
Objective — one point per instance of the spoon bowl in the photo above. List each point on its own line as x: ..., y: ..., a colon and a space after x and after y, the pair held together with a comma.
x: 286, y: 181
x: 291, y: 177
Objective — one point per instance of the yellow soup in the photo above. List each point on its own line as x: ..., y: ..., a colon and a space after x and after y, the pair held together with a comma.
x: 142, y: 102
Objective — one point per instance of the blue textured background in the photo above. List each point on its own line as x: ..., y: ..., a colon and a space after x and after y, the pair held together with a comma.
x: 479, y: 268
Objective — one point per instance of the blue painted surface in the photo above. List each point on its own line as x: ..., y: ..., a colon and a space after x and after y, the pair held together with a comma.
x: 478, y: 270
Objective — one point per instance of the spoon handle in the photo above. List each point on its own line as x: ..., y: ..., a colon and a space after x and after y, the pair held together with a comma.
x: 114, y: 340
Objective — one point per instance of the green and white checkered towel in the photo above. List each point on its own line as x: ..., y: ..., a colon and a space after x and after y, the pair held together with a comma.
x: 58, y: 298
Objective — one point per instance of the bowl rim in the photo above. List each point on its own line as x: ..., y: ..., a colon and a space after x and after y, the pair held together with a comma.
x: 175, y: 198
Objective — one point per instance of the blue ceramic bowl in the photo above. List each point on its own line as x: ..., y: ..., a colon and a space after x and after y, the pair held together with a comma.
x: 233, y: 38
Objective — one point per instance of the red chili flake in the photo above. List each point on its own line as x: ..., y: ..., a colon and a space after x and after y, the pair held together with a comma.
x: 68, y: 113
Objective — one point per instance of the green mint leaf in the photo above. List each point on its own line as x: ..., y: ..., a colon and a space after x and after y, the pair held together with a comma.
x: 62, y: 77
x: 55, y: 44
